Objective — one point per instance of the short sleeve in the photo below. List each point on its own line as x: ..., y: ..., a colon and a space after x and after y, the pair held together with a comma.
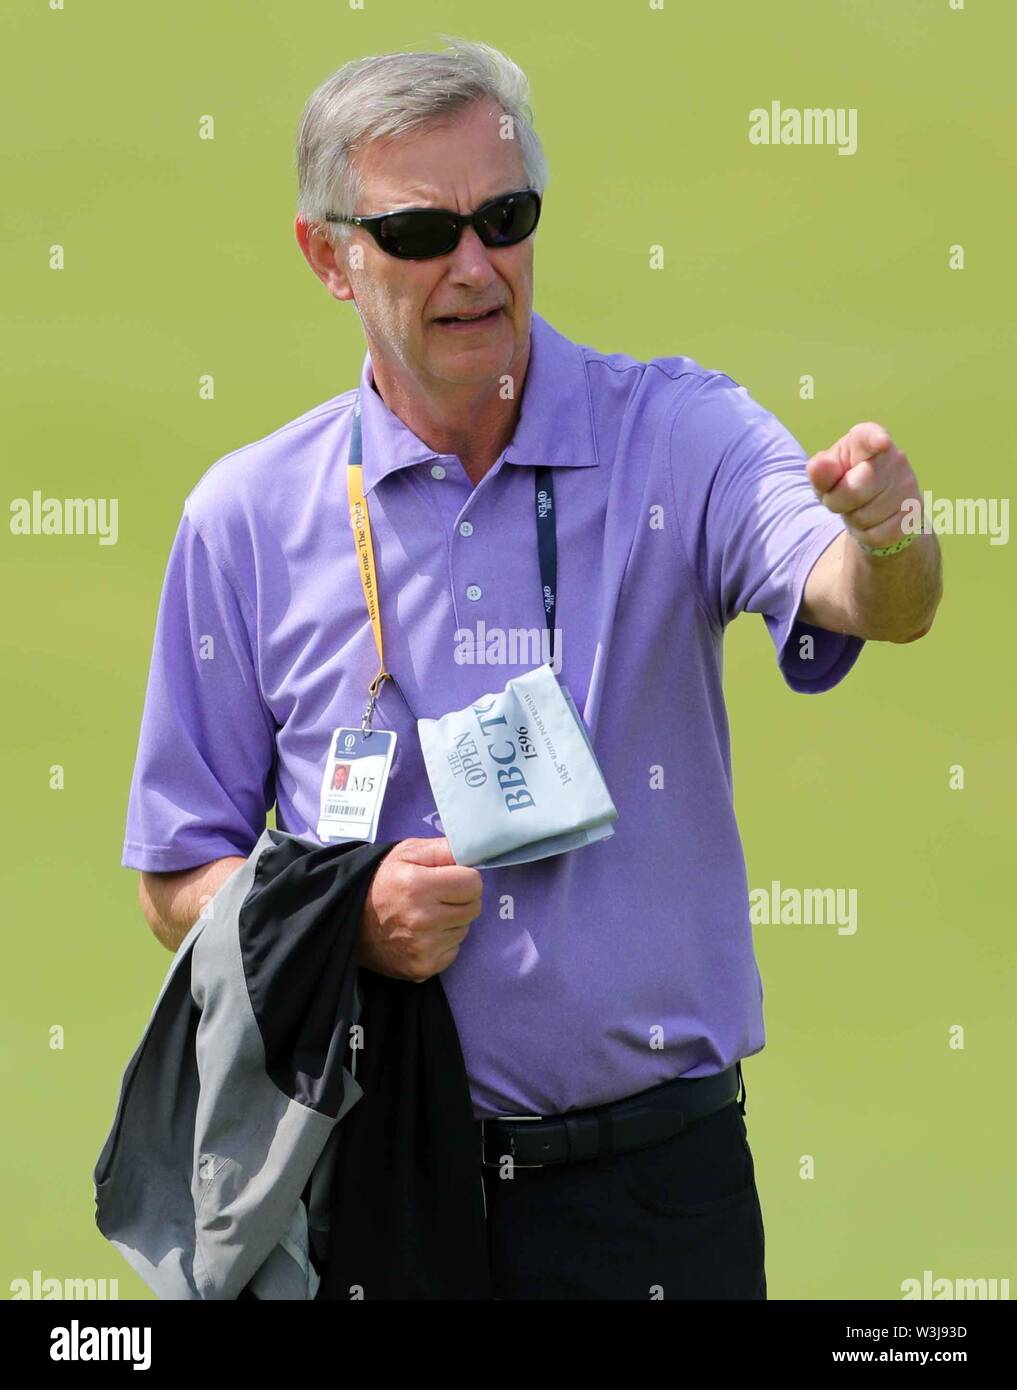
x: 753, y: 527
x: 205, y: 761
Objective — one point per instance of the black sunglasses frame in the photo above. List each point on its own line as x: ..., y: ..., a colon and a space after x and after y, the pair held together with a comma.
x: 455, y: 221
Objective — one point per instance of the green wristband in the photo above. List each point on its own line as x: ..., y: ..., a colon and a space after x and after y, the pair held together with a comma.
x: 897, y: 546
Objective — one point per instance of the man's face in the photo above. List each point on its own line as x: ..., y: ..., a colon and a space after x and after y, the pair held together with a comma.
x: 458, y: 165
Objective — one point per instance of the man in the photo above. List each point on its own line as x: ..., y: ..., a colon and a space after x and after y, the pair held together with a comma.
x: 613, y: 990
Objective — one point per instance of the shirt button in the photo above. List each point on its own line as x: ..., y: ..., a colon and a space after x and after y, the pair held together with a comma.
x: 465, y: 528
x: 437, y: 470
x: 474, y: 591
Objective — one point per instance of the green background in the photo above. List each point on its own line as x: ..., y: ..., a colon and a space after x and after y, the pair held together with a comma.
x: 779, y: 261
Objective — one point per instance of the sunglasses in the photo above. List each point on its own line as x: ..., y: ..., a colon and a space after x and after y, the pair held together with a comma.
x: 418, y: 234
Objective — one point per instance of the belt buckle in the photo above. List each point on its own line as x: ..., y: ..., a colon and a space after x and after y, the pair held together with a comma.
x: 483, y: 1141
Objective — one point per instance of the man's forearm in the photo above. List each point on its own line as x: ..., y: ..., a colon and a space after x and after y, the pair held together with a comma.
x: 896, y: 604
x: 891, y: 597
x: 173, y: 902
x: 888, y: 598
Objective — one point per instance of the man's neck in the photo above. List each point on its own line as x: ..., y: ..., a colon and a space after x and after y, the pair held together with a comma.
x: 473, y: 422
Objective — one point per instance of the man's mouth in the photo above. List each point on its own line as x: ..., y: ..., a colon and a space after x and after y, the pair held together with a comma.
x: 467, y: 321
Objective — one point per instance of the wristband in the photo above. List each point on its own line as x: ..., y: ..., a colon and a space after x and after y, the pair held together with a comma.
x: 902, y: 544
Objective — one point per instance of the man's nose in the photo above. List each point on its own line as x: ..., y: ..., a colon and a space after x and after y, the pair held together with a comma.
x: 470, y: 257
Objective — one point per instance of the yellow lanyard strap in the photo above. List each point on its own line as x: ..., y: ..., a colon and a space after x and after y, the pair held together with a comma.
x: 360, y: 520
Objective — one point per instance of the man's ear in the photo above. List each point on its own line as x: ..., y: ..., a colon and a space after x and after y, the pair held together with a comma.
x: 328, y: 261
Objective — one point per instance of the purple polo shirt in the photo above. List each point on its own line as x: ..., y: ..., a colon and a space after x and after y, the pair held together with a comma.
x: 680, y: 502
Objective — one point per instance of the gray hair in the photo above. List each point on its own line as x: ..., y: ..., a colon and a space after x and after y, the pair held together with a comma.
x: 393, y: 94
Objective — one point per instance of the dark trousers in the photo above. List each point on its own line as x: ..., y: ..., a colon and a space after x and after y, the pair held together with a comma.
x: 678, y: 1220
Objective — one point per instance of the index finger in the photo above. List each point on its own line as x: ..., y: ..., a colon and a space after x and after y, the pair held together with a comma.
x: 865, y: 440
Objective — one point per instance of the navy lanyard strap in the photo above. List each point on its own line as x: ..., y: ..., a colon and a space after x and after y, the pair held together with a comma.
x: 547, y: 547
x: 356, y: 445
x: 547, y: 538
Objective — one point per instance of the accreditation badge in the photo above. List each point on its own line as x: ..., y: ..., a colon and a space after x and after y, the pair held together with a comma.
x: 353, y: 783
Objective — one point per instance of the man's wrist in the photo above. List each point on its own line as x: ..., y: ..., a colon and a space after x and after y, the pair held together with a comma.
x: 881, y: 550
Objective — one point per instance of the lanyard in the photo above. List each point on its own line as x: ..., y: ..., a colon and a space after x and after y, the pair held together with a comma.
x: 360, y: 520
x: 547, y: 548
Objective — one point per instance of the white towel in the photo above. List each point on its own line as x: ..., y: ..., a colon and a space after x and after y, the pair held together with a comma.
x: 514, y: 775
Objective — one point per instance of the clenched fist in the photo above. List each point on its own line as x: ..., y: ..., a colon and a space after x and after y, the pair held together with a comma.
x: 866, y: 478
x: 418, y: 909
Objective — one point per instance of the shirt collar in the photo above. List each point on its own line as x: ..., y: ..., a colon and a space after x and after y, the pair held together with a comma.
x: 555, y: 425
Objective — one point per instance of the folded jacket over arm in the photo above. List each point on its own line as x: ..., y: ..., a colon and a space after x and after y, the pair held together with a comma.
x: 292, y: 1126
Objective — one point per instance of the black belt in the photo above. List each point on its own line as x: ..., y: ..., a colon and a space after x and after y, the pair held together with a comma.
x: 649, y: 1117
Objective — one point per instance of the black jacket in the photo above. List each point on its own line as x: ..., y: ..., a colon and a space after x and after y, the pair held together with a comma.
x: 246, y: 1158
